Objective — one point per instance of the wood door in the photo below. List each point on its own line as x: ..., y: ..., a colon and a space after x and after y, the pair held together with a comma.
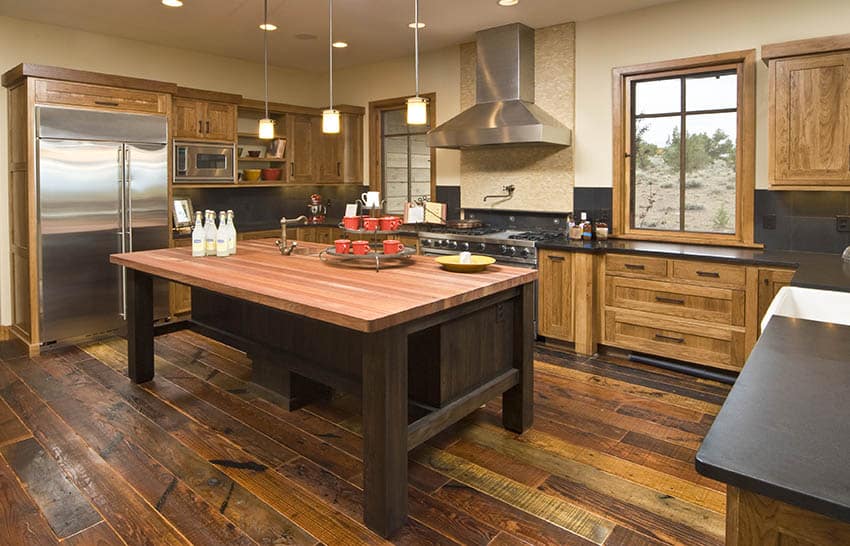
x: 220, y: 122
x: 555, y: 310
x: 188, y: 118
x: 811, y: 120
x: 770, y: 281
x: 329, y: 156
x: 302, y: 135
x: 352, y: 158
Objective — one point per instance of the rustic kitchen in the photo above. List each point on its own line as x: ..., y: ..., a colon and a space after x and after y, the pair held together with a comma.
x: 494, y: 272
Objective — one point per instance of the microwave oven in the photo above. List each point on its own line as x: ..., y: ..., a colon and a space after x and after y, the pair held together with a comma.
x: 196, y: 162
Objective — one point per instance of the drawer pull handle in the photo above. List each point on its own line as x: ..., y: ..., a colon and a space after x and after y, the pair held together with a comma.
x: 661, y: 337
x: 556, y: 258
x: 636, y: 267
x: 105, y: 103
x: 674, y: 301
x: 712, y: 274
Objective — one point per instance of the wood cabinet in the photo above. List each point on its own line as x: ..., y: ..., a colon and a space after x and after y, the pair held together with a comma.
x: 555, y: 282
x: 180, y: 295
x: 809, y: 115
x: 204, y: 120
x: 100, y: 97
x: 322, y: 158
x: 325, y: 235
x: 304, y: 131
x: 770, y: 281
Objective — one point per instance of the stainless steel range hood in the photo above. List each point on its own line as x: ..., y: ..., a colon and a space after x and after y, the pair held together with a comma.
x: 504, y: 113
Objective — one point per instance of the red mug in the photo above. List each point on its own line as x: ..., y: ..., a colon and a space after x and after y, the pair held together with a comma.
x: 342, y: 246
x: 371, y: 224
x: 390, y: 223
x: 351, y: 222
x: 393, y: 246
x: 361, y: 247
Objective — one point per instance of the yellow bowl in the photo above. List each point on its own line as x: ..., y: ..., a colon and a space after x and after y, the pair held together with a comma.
x: 251, y: 175
x: 477, y: 263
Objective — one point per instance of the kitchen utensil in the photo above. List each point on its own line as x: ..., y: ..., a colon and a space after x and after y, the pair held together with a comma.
x: 351, y: 222
x: 390, y: 223
x: 342, y: 246
x: 476, y: 263
x: 361, y: 247
x: 393, y: 246
x: 371, y: 224
x: 251, y: 175
x: 464, y: 224
x: 316, y: 211
x: 253, y: 153
x: 371, y: 199
x: 271, y: 174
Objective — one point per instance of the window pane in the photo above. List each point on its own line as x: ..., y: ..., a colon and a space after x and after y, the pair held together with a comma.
x: 395, y: 172
x: 656, y: 173
x: 658, y: 96
x: 394, y: 122
x: 710, y: 172
x: 711, y: 92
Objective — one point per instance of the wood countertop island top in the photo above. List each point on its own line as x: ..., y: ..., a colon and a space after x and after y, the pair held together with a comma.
x: 352, y: 297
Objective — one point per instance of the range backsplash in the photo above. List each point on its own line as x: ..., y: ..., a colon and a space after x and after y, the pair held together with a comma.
x: 795, y: 220
x: 261, y: 208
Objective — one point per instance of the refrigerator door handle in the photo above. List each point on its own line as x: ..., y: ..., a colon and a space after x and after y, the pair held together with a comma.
x: 129, y: 214
x: 122, y: 177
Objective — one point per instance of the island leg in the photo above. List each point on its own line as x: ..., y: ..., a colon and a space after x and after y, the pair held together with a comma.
x: 139, y: 326
x: 385, y: 430
x: 518, y: 401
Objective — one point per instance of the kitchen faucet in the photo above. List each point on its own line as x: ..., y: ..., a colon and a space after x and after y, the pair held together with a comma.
x: 285, y: 248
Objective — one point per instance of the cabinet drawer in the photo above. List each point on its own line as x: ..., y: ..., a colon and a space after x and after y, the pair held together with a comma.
x: 717, y: 347
x: 637, y: 266
x: 708, y: 304
x: 97, y: 96
x: 710, y: 273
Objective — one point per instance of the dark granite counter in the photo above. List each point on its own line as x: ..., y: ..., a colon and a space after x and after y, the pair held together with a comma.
x: 265, y: 226
x: 814, y: 270
x: 784, y: 430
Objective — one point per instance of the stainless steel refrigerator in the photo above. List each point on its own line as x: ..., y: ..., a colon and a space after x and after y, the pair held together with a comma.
x: 102, y: 189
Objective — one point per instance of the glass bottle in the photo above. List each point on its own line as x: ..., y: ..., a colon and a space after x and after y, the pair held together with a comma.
x: 198, y: 248
x: 209, y: 234
x: 221, y: 235
x: 231, y: 234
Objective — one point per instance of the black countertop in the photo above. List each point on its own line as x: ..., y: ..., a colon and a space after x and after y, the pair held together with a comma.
x: 265, y: 226
x: 814, y: 269
x: 784, y: 430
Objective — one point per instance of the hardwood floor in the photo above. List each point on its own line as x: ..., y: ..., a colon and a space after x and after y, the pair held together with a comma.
x: 201, y: 456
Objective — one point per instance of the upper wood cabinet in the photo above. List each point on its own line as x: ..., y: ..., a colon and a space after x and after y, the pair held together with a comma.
x: 809, y: 113
x: 304, y: 131
x: 204, y: 120
x: 316, y: 157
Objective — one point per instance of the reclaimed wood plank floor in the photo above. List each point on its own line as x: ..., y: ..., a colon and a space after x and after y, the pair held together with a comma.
x: 201, y: 456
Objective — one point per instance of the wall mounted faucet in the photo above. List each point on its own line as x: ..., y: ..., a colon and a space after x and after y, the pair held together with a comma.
x: 509, y: 192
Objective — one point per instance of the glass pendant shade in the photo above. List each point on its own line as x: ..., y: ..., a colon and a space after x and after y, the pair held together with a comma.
x: 266, y: 128
x: 417, y: 111
x: 330, y: 121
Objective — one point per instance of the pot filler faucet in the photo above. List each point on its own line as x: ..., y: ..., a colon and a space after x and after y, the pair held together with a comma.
x: 286, y: 249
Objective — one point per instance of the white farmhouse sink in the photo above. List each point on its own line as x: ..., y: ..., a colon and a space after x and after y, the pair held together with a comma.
x: 809, y: 304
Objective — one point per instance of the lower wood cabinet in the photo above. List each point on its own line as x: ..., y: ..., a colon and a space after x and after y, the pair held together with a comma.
x: 555, y: 308
x: 770, y: 281
x: 180, y: 295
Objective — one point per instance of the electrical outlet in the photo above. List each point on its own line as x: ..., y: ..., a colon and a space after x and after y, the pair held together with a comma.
x: 842, y: 224
x: 768, y: 221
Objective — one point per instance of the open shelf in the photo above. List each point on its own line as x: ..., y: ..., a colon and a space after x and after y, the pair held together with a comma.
x: 261, y: 160
x: 275, y: 184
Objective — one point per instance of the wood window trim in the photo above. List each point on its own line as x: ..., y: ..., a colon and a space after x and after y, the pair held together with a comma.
x: 745, y: 62
x: 376, y: 108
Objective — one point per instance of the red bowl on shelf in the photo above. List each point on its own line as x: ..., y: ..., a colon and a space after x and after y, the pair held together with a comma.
x: 271, y: 174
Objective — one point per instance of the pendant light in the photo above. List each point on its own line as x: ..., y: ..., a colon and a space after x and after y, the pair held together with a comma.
x: 330, y: 117
x: 266, y: 126
x: 417, y: 107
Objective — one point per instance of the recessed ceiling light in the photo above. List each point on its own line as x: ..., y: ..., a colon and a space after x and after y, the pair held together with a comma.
x: 340, y: 45
x: 305, y: 36
x: 413, y: 25
x: 268, y: 26
x: 172, y: 3
x: 508, y: 2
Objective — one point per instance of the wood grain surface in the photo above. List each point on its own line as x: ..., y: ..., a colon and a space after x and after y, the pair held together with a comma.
x: 356, y: 298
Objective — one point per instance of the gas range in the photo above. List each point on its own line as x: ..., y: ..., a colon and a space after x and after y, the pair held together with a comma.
x: 506, y: 246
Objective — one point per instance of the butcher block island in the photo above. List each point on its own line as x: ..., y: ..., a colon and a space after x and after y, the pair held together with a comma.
x: 421, y: 346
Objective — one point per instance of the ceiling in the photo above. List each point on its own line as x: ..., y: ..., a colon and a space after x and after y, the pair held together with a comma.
x: 375, y: 29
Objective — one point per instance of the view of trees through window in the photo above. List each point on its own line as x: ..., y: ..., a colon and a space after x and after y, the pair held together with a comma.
x: 690, y: 187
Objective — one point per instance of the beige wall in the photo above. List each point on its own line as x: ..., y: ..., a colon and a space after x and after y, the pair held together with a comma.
x: 23, y: 41
x: 439, y: 72
x: 682, y: 29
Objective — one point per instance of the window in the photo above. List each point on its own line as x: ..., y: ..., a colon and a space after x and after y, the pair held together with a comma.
x: 402, y: 164
x: 684, y: 150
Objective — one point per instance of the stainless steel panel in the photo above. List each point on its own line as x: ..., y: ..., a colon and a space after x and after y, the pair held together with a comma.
x: 505, y: 64
x: 79, y: 189
x: 76, y: 124
x: 146, y: 206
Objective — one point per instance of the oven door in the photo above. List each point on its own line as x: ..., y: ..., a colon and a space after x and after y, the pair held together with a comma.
x: 199, y: 162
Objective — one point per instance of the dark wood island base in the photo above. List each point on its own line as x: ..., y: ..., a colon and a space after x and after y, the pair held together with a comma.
x: 415, y: 377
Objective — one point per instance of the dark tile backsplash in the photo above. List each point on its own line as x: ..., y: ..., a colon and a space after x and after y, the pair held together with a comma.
x: 262, y: 208
x: 803, y: 220
x: 450, y: 195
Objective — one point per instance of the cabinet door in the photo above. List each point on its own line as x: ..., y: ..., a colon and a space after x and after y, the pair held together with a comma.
x: 555, y: 310
x: 811, y: 139
x: 324, y: 235
x: 352, y: 158
x: 188, y: 118
x: 330, y: 155
x: 302, y: 134
x: 770, y: 281
x: 220, y: 122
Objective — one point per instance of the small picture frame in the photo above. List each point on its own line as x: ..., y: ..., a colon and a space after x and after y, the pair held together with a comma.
x: 182, y: 212
x: 277, y: 148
